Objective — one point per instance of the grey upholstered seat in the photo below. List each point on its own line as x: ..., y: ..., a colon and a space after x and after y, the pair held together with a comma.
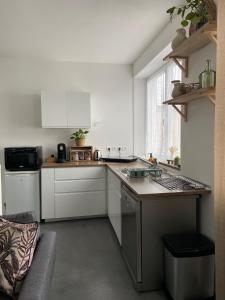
x: 38, y: 280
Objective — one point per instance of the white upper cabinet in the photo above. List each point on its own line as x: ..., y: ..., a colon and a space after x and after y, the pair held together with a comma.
x: 79, y: 110
x: 53, y: 110
x: 66, y: 110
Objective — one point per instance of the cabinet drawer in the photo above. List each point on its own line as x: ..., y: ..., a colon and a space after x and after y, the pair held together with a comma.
x: 80, y: 204
x: 79, y: 173
x: 83, y: 185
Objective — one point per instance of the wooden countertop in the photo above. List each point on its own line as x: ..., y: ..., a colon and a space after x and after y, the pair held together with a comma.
x: 84, y: 163
x: 142, y: 187
x: 145, y: 187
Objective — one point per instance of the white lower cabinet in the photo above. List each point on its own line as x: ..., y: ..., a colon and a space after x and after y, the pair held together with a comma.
x: 73, y: 192
x: 80, y: 204
x: 114, y: 202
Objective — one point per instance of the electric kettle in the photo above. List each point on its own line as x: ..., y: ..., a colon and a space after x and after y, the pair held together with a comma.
x: 97, y: 155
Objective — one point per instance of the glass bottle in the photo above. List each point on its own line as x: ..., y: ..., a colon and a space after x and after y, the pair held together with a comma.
x: 207, y: 78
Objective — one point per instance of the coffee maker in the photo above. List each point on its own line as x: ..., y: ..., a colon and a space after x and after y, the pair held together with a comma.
x: 61, y: 148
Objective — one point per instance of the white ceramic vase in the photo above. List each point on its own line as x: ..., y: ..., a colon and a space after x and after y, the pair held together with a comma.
x: 180, y: 37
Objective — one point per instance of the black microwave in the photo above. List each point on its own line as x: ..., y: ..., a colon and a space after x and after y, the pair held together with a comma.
x: 23, y: 158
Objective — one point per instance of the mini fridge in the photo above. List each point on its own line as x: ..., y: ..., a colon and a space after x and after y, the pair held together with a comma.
x: 22, y: 192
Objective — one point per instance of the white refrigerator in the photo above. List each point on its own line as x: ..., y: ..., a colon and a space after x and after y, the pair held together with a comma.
x: 22, y: 192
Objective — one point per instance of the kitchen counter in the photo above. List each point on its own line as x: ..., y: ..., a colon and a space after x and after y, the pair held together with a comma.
x: 85, y: 163
x: 142, y: 187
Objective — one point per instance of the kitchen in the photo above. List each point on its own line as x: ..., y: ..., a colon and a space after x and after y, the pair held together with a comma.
x: 117, y: 108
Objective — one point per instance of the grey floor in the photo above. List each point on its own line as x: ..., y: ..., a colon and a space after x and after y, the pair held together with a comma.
x: 89, y: 265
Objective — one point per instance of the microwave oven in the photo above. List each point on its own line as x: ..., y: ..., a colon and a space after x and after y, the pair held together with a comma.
x: 23, y: 158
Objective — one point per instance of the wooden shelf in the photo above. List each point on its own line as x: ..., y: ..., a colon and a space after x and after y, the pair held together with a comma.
x: 196, y: 94
x: 196, y: 41
x: 187, y: 98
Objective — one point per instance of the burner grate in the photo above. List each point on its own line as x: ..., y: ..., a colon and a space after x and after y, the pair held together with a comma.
x: 179, y: 183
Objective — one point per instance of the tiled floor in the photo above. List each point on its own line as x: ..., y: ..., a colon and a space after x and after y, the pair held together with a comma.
x: 89, y: 265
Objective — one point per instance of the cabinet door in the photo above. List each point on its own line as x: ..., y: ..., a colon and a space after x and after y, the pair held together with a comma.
x: 114, y: 203
x: 69, y: 205
x: 48, y: 193
x: 54, y: 110
x: 79, y: 110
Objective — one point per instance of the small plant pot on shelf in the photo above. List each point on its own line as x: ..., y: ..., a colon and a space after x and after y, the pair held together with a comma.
x: 179, y: 88
x: 80, y: 142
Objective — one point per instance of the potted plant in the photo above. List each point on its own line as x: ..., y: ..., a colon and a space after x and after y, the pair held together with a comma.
x: 194, y: 12
x: 79, y: 137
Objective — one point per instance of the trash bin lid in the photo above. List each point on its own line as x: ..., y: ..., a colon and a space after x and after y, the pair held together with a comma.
x: 189, y: 245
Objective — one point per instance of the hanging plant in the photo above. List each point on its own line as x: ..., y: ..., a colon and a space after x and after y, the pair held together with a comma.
x: 194, y: 12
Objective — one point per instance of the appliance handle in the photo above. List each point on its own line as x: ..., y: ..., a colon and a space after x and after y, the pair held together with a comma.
x: 21, y: 175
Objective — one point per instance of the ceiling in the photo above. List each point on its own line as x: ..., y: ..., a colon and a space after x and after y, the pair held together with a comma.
x: 96, y: 31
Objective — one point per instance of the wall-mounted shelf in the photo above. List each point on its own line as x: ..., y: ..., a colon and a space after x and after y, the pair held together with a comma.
x: 186, y: 98
x: 196, y: 41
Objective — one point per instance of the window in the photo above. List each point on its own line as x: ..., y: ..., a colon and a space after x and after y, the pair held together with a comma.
x: 162, y: 121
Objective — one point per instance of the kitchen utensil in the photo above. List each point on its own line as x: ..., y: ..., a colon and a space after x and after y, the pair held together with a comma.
x: 142, y: 172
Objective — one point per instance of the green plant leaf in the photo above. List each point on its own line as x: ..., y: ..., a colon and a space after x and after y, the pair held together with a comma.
x: 190, y: 16
x: 179, y: 11
x: 184, y: 23
x: 196, y: 20
x: 171, y: 10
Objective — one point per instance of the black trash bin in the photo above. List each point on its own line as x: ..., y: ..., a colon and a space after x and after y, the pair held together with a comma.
x: 189, y: 266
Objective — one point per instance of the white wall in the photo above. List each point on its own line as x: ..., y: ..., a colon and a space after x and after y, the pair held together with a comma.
x: 21, y: 82
x: 157, y: 45
x: 197, y: 137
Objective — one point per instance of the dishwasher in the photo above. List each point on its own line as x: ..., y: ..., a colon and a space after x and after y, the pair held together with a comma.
x: 131, y: 234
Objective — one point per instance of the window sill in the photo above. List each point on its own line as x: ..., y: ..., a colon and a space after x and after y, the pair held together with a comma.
x: 161, y: 163
x: 170, y: 166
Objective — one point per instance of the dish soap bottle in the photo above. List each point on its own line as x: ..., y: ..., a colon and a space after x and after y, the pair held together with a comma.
x: 207, y: 78
x: 150, y: 158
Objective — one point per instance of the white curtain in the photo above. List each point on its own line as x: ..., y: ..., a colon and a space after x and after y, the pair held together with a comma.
x: 162, y: 121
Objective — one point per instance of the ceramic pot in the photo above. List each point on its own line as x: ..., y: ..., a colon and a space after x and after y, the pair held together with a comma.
x: 180, y: 37
x: 179, y: 88
x: 80, y: 142
x: 192, y: 29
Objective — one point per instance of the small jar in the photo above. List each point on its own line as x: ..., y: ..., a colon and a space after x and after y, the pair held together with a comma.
x: 76, y: 156
x: 87, y: 155
x: 179, y: 88
x: 81, y: 155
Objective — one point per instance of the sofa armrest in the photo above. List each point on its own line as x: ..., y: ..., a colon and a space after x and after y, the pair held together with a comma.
x: 37, y: 283
x: 25, y: 217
